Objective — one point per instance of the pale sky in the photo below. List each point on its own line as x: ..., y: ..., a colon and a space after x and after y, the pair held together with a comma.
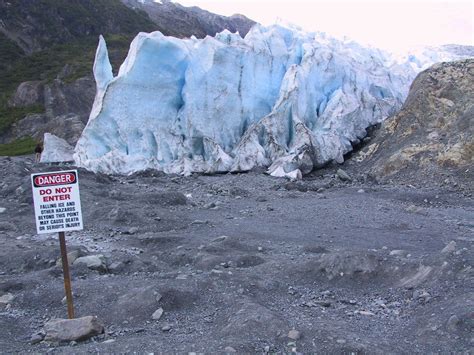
x: 389, y: 24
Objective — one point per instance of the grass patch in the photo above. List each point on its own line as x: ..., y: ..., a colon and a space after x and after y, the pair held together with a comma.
x: 9, y: 52
x: 22, y: 146
x: 46, y: 64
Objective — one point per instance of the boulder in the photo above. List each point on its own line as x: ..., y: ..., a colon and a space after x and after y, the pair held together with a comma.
x: 341, y: 174
x: 72, y: 256
x: 6, y: 299
x: 157, y: 314
x: 252, y: 320
x: 66, y: 330
x: 28, y: 93
x: 94, y: 262
x: 449, y: 248
x: 430, y: 141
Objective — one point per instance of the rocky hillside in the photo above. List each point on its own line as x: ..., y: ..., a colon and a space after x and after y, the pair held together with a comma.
x: 182, y: 21
x: 39, y: 24
x: 431, y: 140
x: 47, y: 50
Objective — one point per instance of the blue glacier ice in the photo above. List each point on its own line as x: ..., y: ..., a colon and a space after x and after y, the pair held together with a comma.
x: 280, y: 98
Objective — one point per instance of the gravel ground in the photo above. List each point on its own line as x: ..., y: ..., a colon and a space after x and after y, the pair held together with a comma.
x: 244, y: 262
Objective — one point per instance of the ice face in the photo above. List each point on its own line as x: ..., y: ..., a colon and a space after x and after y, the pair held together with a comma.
x: 56, y: 150
x: 279, y: 98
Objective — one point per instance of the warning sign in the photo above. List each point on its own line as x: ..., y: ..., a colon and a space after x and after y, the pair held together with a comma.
x: 57, y: 201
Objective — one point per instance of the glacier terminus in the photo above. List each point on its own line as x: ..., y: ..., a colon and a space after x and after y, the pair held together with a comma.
x: 280, y: 98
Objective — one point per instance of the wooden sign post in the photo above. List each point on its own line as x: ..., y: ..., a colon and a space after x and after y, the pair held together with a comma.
x: 58, y: 209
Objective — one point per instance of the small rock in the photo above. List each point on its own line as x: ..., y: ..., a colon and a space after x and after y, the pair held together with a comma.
x: 6, y: 299
x: 116, y: 267
x: 380, y: 303
x: 229, y: 349
x: 260, y: 249
x: 341, y: 174
x: 36, y: 338
x: 8, y: 226
x: 294, y: 334
x: 421, y: 295
x: 67, y: 330
x: 158, y: 296
x: 166, y: 328
x: 220, y: 239
x: 449, y: 248
x: 64, y: 300
x: 132, y: 230
x: 327, y: 293
x: 366, y: 313
x: 71, y: 257
x: 108, y: 341
x: 398, y: 252
x: 453, y: 322
x: 157, y: 314
x: 361, y: 191
x: 19, y: 190
x: 210, y: 205
x: 94, y: 262
x: 323, y: 303
x: 2, y: 209
x: 414, y: 209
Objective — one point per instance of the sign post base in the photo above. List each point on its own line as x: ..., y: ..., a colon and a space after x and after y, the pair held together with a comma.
x: 67, y: 277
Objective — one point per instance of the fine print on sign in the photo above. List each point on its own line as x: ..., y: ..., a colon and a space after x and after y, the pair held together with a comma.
x: 57, y: 201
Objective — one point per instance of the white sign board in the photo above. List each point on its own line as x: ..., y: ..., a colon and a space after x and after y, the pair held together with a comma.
x: 57, y: 201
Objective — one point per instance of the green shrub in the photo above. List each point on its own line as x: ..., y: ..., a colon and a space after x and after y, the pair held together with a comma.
x: 22, y: 146
x: 10, y: 115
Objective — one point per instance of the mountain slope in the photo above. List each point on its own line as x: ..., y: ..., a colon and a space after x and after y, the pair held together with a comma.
x: 46, y: 45
x: 39, y: 24
x: 431, y: 140
x: 47, y: 50
x: 181, y: 21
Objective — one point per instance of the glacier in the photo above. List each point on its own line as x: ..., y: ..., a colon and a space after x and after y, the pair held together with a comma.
x: 280, y: 98
x: 56, y: 150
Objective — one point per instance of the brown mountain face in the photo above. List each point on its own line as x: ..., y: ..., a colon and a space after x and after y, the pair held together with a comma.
x: 431, y: 140
x: 181, y: 21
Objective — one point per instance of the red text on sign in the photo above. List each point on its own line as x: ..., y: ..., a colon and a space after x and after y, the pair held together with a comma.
x: 55, y: 179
